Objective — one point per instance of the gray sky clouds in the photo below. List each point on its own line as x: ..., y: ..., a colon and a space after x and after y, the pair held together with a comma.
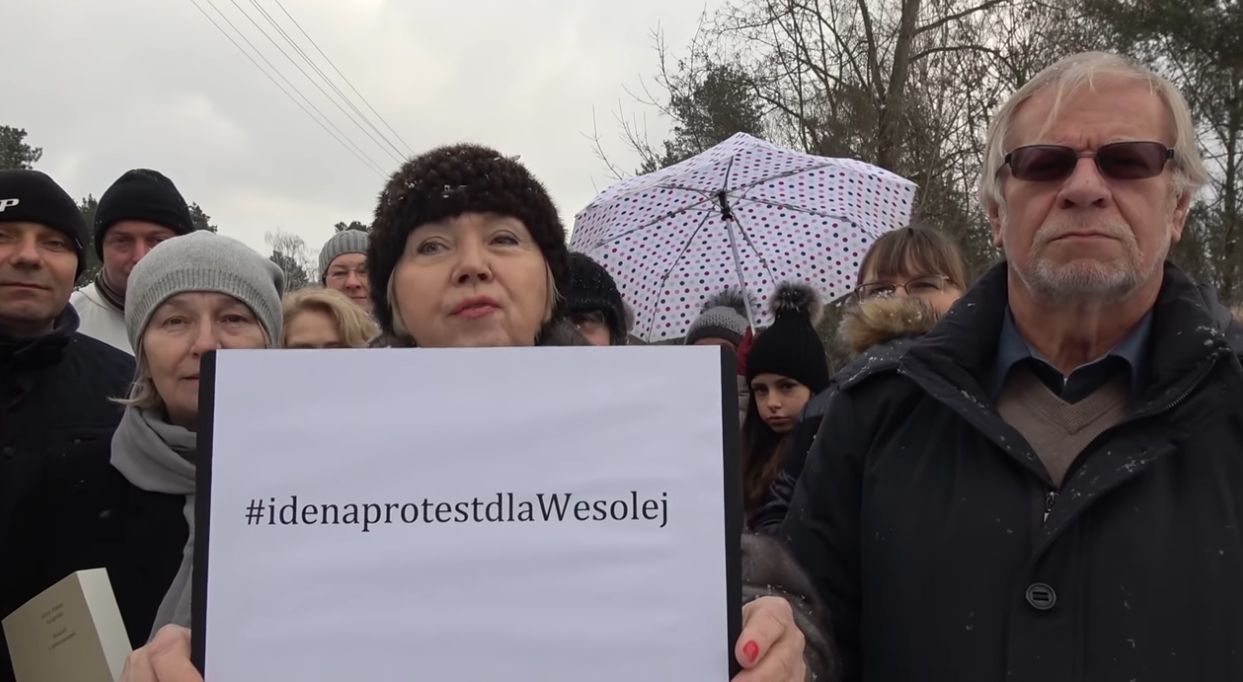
x: 107, y: 86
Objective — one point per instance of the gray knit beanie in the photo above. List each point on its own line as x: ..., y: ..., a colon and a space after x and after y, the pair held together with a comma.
x: 724, y: 316
x: 343, y: 242
x: 204, y: 261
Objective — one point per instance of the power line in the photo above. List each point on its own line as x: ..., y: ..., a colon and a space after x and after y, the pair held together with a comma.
x: 347, y: 80
x: 310, y: 62
x: 298, y: 66
x: 323, y: 120
x: 366, y: 161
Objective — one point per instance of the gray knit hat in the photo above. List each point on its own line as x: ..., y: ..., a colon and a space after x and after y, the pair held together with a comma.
x: 343, y: 242
x: 724, y: 316
x: 204, y: 261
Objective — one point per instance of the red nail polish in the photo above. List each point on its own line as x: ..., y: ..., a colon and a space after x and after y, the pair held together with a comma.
x: 751, y: 650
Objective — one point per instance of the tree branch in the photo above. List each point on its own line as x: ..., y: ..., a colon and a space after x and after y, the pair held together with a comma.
x: 918, y: 56
x: 988, y: 4
x: 869, y: 36
x: 598, y: 147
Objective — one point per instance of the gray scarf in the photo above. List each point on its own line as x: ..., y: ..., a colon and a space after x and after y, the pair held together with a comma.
x: 159, y: 457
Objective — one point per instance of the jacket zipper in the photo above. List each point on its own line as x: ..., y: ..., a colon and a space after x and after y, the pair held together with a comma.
x: 1183, y: 396
x: 1050, y: 499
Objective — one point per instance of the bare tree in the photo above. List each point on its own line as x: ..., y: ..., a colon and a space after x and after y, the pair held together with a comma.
x: 290, y: 253
x: 908, y: 85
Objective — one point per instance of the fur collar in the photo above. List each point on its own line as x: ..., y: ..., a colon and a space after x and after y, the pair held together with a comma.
x: 876, y: 321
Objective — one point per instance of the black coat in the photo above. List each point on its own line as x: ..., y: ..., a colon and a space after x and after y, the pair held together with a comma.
x: 880, y: 331
x: 922, y: 520
x: 62, y: 506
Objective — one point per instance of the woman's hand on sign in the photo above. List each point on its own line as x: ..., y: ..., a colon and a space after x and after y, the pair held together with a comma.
x: 770, y: 648
x: 165, y: 659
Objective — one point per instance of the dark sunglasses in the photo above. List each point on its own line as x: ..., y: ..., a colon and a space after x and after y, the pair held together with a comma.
x: 1119, y: 160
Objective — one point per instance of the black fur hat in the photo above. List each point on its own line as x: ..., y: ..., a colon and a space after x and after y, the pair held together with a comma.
x: 447, y: 182
x: 791, y: 347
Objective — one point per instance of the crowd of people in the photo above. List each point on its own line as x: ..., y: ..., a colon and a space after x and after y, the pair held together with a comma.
x: 1037, y: 475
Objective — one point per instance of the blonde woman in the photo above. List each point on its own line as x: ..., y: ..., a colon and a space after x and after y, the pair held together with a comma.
x: 191, y: 295
x: 317, y: 317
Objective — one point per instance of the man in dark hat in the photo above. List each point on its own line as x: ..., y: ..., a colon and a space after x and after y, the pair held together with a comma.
x: 141, y: 209
x: 59, y: 505
x: 595, y: 305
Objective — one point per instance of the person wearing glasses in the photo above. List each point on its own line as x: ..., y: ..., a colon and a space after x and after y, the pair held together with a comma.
x: 594, y: 304
x: 1049, y: 484
x: 908, y: 279
x: 343, y: 266
x: 916, y: 262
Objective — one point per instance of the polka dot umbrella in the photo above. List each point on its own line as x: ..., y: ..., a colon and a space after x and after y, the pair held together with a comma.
x: 744, y: 214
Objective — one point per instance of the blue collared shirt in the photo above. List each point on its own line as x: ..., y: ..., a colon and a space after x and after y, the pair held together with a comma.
x: 1130, y: 354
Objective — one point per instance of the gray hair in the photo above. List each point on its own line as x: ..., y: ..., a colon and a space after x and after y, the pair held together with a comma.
x: 1071, y: 74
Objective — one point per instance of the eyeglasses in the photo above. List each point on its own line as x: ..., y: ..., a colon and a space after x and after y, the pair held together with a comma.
x: 1118, y: 160
x: 343, y: 273
x: 925, y: 285
x: 587, y: 320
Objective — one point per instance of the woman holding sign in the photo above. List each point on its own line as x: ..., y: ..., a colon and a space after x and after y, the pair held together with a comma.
x: 467, y: 251
x: 190, y: 295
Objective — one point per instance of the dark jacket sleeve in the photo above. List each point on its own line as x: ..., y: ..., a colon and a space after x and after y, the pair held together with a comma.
x: 767, y: 519
x: 769, y: 570
x: 823, y: 525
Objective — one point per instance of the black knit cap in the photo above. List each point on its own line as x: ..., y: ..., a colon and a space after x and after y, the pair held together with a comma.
x: 447, y: 182
x: 791, y: 347
x: 141, y: 194
x: 28, y: 196
x: 592, y: 288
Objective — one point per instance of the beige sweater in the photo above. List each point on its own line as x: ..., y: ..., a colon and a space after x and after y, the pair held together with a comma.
x: 1059, y: 431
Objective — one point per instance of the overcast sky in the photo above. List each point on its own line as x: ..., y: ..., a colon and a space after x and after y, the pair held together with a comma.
x: 107, y: 86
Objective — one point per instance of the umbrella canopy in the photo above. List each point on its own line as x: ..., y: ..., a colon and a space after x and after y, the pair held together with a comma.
x: 744, y: 214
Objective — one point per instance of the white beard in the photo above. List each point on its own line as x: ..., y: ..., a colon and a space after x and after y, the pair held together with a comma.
x: 1104, y: 280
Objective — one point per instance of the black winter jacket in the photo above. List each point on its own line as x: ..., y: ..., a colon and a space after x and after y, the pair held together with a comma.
x: 880, y: 331
x: 62, y: 506
x: 945, y: 553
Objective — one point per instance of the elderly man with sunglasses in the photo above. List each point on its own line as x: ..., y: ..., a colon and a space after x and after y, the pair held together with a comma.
x: 1049, y: 485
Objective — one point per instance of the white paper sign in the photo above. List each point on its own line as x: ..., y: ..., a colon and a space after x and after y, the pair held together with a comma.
x: 470, y: 515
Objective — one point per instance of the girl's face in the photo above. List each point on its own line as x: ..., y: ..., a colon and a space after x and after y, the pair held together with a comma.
x: 779, y: 400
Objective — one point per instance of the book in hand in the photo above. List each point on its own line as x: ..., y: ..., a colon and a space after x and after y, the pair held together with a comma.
x: 72, y: 631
